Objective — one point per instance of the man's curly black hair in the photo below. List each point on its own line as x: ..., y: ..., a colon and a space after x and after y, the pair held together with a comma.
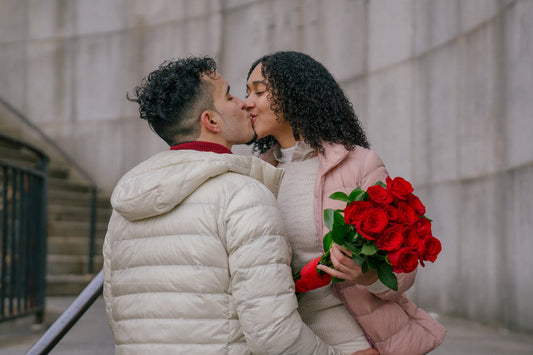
x: 305, y: 93
x: 172, y: 98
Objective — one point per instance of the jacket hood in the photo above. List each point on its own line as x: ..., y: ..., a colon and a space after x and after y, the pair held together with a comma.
x: 160, y: 183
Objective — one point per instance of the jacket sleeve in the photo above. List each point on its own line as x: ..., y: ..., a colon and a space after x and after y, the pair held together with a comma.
x: 261, y: 277
x: 405, y: 281
x: 373, y: 170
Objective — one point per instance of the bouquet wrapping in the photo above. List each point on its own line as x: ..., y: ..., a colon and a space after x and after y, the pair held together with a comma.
x: 384, y: 227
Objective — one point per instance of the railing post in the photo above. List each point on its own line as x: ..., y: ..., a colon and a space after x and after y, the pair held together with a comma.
x: 3, y: 242
x: 92, y: 231
x: 42, y: 240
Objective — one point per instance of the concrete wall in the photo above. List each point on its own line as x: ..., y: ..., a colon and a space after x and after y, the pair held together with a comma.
x: 443, y: 88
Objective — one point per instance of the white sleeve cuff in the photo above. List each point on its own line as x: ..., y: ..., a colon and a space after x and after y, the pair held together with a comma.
x: 377, y: 287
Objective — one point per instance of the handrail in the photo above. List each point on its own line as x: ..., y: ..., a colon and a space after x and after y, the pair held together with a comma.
x: 68, y: 318
x: 20, y: 143
x: 48, y: 140
x: 93, y: 187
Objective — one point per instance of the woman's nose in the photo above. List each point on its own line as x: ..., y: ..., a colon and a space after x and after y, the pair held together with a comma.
x: 248, y: 103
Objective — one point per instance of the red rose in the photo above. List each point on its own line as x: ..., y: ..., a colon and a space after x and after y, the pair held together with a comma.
x: 371, y: 223
x: 417, y: 205
x: 379, y: 195
x: 392, y: 213
x: 354, y: 211
x: 310, y: 278
x: 411, y: 238
x: 432, y: 248
x: 403, y: 260
x: 423, y: 226
x: 399, y: 187
x: 406, y: 214
x: 391, y: 238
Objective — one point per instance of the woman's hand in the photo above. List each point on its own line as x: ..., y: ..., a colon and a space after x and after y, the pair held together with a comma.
x: 347, y: 269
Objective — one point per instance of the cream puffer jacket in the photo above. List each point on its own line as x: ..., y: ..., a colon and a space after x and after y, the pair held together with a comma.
x: 196, y: 261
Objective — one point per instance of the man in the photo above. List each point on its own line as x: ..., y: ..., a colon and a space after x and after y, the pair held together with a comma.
x: 195, y: 258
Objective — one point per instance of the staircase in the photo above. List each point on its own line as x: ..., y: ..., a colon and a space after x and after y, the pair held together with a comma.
x: 68, y: 235
x: 69, y: 212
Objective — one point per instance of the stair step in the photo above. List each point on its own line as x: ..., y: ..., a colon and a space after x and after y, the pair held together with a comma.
x: 67, y: 285
x: 70, y: 264
x: 69, y: 185
x: 58, y: 171
x: 74, y: 198
x: 73, y: 245
x: 76, y: 213
x: 69, y: 213
x: 74, y: 228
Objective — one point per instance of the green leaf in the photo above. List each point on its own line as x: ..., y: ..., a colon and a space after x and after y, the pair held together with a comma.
x: 358, y: 259
x: 364, y: 267
x: 337, y: 234
x: 328, y: 218
x: 338, y: 219
x: 362, y: 197
x: 372, y: 262
x: 359, y: 238
x: 355, y: 193
x: 369, y: 249
x: 335, y: 279
x: 386, y: 275
x: 339, y: 228
x: 350, y: 235
x: 327, y: 241
x: 341, y: 196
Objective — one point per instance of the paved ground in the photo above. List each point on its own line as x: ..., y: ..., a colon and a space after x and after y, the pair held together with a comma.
x: 91, y: 335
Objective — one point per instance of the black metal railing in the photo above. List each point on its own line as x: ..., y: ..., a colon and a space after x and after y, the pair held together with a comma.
x: 64, y: 155
x: 23, y: 223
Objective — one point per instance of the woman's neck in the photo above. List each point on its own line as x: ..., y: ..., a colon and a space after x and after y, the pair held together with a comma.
x: 286, y: 139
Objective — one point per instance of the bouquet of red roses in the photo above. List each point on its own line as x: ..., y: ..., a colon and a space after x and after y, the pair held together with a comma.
x: 385, y: 229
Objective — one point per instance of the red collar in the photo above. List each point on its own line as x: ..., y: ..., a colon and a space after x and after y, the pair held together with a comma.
x: 202, y: 147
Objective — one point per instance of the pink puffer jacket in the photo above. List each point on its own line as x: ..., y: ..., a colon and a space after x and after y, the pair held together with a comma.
x: 393, y: 324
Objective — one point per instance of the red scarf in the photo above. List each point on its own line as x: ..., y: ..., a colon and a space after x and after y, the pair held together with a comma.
x: 202, y: 147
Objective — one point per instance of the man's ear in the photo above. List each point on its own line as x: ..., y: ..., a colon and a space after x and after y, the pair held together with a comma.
x: 210, y: 120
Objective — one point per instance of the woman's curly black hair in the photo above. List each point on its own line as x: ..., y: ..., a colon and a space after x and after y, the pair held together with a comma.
x: 172, y: 97
x: 305, y: 93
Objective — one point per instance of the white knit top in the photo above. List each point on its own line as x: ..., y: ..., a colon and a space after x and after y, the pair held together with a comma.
x: 320, y: 309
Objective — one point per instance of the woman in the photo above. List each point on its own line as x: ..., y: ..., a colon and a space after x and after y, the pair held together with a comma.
x: 306, y: 125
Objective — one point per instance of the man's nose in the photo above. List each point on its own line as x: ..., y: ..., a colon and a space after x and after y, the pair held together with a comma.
x: 240, y: 103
